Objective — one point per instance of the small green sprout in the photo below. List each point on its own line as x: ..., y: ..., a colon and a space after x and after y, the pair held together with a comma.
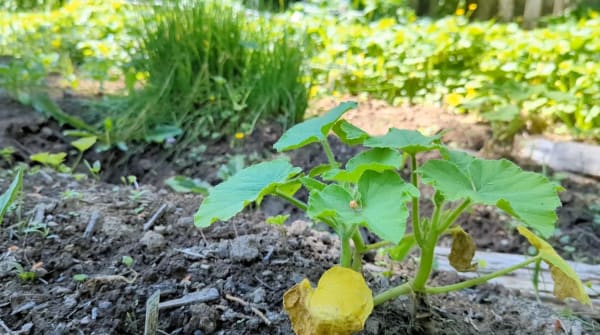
x: 127, y: 261
x: 368, y: 192
x: 80, y: 277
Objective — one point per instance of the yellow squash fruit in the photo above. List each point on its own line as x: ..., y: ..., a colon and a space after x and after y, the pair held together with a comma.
x: 566, y: 282
x: 339, y: 305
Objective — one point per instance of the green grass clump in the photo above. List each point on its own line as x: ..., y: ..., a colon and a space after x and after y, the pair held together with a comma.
x: 214, y: 69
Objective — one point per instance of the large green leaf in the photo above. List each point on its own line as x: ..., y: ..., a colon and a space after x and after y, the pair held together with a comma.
x: 381, y: 204
x: 10, y: 195
x: 528, y: 196
x: 249, y: 185
x: 377, y: 159
x: 349, y: 133
x: 409, y: 141
x: 312, y: 130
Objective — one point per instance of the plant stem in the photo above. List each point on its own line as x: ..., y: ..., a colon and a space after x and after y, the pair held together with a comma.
x: 377, y: 245
x: 453, y: 216
x: 77, y: 161
x: 301, y: 205
x: 329, y: 153
x: 345, y: 253
x: 359, y: 250
x: 415, y: 202
x: 425, y: 266
x: 480, y: 280
x: 392, y: 293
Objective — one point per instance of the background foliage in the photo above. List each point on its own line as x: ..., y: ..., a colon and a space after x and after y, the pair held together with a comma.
x: 218, y: 68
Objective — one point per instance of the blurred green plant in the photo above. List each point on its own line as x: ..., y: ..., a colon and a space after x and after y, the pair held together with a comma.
x: 213, y: 69
x: 547, y: 74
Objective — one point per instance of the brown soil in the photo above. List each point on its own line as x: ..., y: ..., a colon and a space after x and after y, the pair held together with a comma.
x: 244, y: 258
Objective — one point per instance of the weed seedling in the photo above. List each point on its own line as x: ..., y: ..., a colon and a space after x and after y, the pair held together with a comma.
x: 367, y: 192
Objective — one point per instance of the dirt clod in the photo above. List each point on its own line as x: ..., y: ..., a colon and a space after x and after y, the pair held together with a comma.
x: 244, y: 249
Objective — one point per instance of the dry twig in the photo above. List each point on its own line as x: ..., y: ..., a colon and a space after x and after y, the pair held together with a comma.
x: 254, y: 309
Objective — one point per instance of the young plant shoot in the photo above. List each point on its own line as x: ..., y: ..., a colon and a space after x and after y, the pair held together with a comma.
x: 368, y: 192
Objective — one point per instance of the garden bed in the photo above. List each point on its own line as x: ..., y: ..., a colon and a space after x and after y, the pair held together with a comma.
x: 240, y: 268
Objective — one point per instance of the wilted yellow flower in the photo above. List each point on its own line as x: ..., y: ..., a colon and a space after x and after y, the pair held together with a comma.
x: 460, y: 12
x: 239, y: 136
x: 340, y: 304
x: 472, y: 6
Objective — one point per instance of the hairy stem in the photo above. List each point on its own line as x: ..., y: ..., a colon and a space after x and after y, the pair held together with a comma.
x: 415, y: 202
x: 392, y: 293
x: 77, y: 161
x: 359, y: 250
x: 377, y: 245
x: 480, y: 280
x: 453, y: 216
x: 301, y: 205
x: 329, y: 153
x: 346, y: 253
x: 425, y: 266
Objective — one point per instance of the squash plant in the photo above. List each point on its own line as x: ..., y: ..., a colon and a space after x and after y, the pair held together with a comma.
x: 368, y: 192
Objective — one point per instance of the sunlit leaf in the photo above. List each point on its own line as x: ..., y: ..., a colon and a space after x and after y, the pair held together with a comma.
x: 8, y: 197
x: 528, y: 196
x: 84, y: 143
x: 409, y: 141
x: 249, y: 185
x: 312, y: 130
x: 349, y: 133
x: 377, y: 159
x: 381, y: 207
x: 46, y: 158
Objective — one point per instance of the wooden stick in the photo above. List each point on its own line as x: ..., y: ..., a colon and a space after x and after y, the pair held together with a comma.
x: 155, y: 217
x: 89, y: 229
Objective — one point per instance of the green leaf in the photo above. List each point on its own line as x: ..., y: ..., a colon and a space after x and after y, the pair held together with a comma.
x: 312, y: 130
x: 162, y: 133
x: 11, y: 193
x: 400, y: 251
x: 409, y: 141
x: 184, y: 184
x: 504, y: 114
x: 46, y: 158
x: 127, y: 260
x: 381, y: 207
x: 319, y: 170
x: 43, y: 104
x: 528, y: 196
x: 312, y: 184
x: 377, y: 159
x: 349, y: 133
x: 278, y: 220
x: 84, y: 143
x: 249, y: 185
x: 81, y: 277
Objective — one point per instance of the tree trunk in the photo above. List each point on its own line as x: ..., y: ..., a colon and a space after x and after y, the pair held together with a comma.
x: 533, y: 11
x: 506, y: 8
x: 485, y: 9
x: 558, y: 8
